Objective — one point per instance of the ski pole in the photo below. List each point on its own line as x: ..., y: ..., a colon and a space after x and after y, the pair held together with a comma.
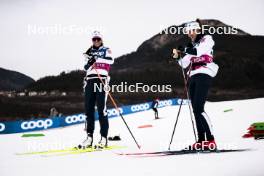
x: 115, y: 105
x: 188, y: 98
x: 175, y: 124
x: 178, y: 114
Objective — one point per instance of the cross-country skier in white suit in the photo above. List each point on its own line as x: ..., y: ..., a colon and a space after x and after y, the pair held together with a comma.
x: 199, y: 56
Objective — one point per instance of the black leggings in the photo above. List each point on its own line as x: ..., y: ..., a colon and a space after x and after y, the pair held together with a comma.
x: 156, y: 112
x: 98, y: 97
x: 198, y: 88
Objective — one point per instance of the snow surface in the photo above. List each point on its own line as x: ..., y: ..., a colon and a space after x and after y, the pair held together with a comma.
x: 228, y: 129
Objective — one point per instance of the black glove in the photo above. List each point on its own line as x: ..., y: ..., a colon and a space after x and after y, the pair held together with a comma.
x: 190, y: 45
x: 90, y: 62
x: 190, y: 49
x: 86, y: 66
x: 181, y: 49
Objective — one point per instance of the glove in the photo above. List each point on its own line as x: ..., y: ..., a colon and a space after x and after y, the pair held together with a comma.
x: 90, y: 62
x: 181, y: 49
x: 190, y: 45
x: 86, y: 66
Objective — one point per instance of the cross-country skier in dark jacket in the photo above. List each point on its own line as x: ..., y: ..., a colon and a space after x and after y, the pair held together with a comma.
x: 199, y: 56
x: 99, y: 61
x: 154, y: 106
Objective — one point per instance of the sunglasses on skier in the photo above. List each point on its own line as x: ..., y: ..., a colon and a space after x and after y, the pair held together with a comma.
x: 96, y: 39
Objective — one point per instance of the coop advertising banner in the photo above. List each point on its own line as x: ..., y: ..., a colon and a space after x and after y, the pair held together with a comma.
x: 55, y: 122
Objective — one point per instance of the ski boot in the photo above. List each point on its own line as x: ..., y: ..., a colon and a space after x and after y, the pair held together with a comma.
x: 102, y: 143
x: 87, y: 143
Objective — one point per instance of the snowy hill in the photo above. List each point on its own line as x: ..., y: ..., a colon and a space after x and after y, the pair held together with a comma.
x: 228, y: 128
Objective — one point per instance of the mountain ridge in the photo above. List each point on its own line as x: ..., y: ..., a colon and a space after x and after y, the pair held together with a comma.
x: 13, y: 80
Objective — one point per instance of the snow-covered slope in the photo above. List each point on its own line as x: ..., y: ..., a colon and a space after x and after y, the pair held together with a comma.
x: 228, y: 129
